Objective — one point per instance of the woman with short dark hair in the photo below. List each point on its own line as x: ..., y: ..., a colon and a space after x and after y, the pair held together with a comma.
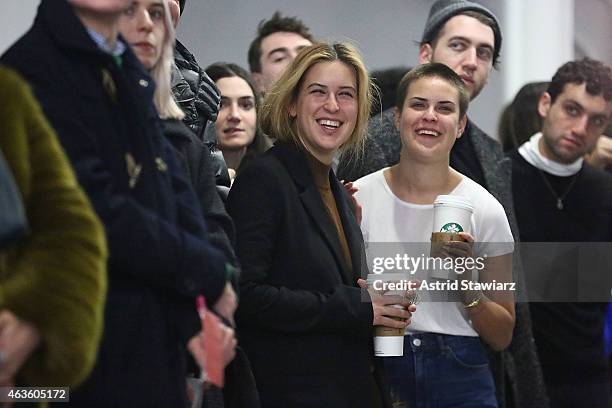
x: 444, y: 363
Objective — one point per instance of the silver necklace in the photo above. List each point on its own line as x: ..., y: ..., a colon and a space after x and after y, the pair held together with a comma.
x: 561, y: 197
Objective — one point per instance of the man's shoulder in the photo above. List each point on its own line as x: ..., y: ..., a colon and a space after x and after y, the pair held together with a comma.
x: 266, y: 174
x: 481, y: 140
x: 184, y: 58
x: 20, y: 55
x: 518, y: 161
x: 271, y: 163
x: 384, y: 135
x: 595, y: 189
x: 597, y: 176
x: 381, y: 125
x: 481, y: 196
x: 495, y: 165
x: 382, y: 148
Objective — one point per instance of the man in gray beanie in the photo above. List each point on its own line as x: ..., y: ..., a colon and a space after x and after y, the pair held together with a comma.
x: 442, y: 11
x: 466, y: 37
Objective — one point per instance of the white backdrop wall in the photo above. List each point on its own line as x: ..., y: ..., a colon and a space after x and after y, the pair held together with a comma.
x: 385, y: 31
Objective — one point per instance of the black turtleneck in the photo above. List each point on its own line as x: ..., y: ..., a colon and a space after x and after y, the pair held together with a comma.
x: 569, y: 336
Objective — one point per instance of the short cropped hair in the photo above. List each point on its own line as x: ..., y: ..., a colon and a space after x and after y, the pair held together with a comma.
x: 276, y: 24
x: 596, y: 75
x: 433, y: 70
x: 520, y: 119
x: 275, y: 119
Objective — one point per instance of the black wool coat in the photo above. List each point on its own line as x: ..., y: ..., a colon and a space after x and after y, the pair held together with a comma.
x: 301, y: 320
x: 159, y: 258
x: 198, y: 164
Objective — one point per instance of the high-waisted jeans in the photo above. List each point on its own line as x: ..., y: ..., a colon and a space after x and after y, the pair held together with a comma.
x: 439, y: 370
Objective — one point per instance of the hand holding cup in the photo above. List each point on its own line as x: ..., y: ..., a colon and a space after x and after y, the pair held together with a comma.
x: 385, y: 307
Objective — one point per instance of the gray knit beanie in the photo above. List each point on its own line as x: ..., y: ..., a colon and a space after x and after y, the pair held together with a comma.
x: 442, y: 10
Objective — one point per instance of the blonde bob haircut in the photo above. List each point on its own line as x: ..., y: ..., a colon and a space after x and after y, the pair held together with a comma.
x: 275, y: 119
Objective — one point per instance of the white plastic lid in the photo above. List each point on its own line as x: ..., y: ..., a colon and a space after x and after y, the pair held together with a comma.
x: 454, y: 201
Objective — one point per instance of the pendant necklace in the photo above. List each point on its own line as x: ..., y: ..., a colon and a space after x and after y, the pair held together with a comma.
x: 561, y: 197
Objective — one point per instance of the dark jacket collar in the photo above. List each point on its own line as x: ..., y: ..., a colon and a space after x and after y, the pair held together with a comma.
x: 177, y: 132
x: 59, y: 19
x: 294, y: 160
x: 63, y: 25
x: 292, y: 157
x: 497, y: 170
x: 489, y: 154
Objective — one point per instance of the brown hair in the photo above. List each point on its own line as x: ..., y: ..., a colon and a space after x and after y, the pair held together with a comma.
x: 596, y: 75
x: 276, y: 24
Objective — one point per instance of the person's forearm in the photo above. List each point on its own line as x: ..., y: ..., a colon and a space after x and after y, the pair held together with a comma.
x: 493, y: 322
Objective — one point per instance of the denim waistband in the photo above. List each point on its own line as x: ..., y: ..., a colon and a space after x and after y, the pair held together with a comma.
x: 437, y: 341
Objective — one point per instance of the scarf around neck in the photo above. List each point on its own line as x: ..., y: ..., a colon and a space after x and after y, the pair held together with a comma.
x: 530, y: 151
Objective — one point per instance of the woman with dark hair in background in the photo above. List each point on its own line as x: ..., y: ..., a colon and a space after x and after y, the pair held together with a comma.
x: 520, y: 119
x: 240, y: 138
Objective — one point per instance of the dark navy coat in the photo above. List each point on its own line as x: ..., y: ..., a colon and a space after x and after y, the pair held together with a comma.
x: 159, y: 255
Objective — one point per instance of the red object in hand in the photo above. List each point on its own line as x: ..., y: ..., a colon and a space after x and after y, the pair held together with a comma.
x: 212, y: 342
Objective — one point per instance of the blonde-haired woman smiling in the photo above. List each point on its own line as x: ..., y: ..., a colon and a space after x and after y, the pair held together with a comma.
x: 302, y: 319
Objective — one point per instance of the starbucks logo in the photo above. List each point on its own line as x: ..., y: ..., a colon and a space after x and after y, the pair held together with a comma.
x: 451, y: 227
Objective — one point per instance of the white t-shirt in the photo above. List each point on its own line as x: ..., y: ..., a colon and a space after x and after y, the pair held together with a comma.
x: 387, y: 219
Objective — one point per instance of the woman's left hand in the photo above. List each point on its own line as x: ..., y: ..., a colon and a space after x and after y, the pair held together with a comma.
x: 460, y: 249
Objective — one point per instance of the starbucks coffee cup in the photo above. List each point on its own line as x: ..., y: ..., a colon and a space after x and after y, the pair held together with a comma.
x: 452, y: 214
x: 388, y: 341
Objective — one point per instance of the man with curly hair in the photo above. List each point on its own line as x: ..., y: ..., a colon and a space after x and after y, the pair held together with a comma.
x: 559, y: 197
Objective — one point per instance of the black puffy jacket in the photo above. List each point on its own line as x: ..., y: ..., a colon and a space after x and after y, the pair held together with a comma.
x: 198, y: 97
